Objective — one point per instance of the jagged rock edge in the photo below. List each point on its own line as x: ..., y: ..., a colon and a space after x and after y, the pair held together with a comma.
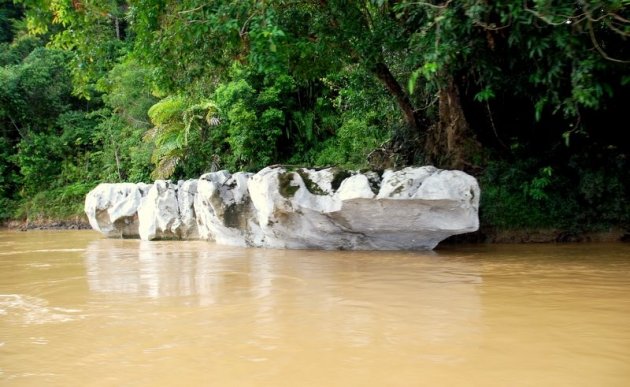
x: 424, y: 199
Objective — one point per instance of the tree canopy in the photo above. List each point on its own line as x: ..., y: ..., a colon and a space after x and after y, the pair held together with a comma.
x: 526, y: 95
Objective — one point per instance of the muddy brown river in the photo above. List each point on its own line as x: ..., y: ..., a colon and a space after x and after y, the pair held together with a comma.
x: 79, y: 310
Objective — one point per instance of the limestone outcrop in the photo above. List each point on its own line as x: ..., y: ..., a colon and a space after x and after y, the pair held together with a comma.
x: 279, y: 207
x: 158, y: 213
x: 113, y: 208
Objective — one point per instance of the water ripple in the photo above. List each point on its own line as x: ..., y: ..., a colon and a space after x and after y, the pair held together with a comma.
x: 34, y: 310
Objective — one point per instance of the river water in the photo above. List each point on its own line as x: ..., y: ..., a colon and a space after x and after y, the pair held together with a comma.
x: 79, y: 310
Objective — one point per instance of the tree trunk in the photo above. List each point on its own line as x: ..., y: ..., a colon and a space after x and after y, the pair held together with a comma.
x: 402, y: 99
x: 117, y: 25
x: 451, y: 143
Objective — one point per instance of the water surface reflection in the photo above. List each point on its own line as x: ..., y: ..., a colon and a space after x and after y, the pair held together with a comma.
x: 76, y: 308
x: 362, y: 297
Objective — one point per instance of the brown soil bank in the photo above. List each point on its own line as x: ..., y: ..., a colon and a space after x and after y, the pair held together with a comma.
x: 492, y: 235
x: 48, y: 224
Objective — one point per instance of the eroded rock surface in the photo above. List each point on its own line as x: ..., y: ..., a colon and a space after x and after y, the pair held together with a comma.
x: 224, y: 209
x: 113, y: 208
x: 158, y: 214
x: 186, y: 193
x: 413, y: 208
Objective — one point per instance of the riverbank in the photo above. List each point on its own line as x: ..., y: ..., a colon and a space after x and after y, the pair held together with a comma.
x: 483, y: 235
x: 496, y: 235
x: 47, y: 224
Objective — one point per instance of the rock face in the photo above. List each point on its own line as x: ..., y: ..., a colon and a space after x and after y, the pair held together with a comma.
x: 158, y: 213
x: 413, y: 208
x: 113, y: 208
x: 186, y: 193
x: 224, y: 209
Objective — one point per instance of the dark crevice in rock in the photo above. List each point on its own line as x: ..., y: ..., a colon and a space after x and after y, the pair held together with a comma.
x: 339, y: 175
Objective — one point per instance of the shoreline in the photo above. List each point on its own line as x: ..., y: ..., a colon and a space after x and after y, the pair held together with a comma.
x: 483, y: 235
x: 48, y: 224
x: 535, y: 236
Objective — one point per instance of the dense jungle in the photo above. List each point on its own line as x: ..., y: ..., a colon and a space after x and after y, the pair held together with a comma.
x: 531, y: 97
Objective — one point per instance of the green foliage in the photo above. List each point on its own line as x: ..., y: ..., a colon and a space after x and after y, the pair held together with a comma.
x: 128, y: 89
x: 254, y: 120
x: 15, y: 52
x: 180, y: 135
x: 39, y: 159
x: 119, y: 149
x: 584, y: 195
x: 5, y: 208
x: 5, y: 152
x: 91, y: 32
x: 537, y: 188
x: 602, y: 186
x: 34, y: 92
x: 485, y: 94
x: 119, y: 152
x: 76, y: 128
x: 57, y: 203
x: 511, y: 199
x: 366, y: 118
x: 354, y: 140
x: 191, y: 43
x: 7, y: 179
x: 133, y: 90
x: 168, y: 135
x: 9, y: 14
x: 47, y: 160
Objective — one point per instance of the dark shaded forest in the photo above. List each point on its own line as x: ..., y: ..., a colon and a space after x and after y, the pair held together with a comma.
x: 531, y: 97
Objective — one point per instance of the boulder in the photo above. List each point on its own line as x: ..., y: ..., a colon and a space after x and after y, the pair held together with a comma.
x: 113, y: 208
x: 414, y: 208
x: 278, y: 207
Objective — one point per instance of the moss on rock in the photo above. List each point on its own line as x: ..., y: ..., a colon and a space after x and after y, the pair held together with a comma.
x: 286, y: 189
x: 311, y: 186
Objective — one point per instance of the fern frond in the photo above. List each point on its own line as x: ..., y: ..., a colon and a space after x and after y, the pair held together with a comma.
x: 168, y: 110
x: 165, y: 168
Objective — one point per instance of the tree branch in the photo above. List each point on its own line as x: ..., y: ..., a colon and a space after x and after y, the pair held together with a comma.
x: 16, y: 127
x: 603, y: 53
x: 402, y: 99
x: 430, y: 5
x: 193, y: 9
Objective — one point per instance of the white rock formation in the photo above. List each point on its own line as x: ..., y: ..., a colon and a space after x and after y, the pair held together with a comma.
x: 113, y: 208
x: 158, y: 214
x: 186, y: 193
x: 223, y: 208
x: 413, y: 208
